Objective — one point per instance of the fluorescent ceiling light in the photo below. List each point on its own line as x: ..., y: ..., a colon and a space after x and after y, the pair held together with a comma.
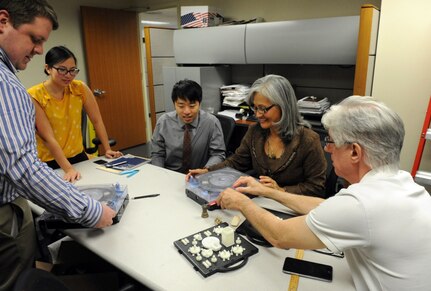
x: 154, y: 22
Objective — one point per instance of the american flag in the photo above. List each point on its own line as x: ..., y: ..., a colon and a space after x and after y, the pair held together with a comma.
x: 195, y: 19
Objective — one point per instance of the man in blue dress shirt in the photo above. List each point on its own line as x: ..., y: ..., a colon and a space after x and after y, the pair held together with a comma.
x: 25, y: 26
x: 207, y: 141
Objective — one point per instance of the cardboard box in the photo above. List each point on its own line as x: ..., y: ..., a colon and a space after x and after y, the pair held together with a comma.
x: 200, y: 16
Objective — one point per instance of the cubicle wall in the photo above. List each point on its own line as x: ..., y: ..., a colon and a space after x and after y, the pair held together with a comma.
x: 318, y: 56
x: 210, y: 78
x: 332, y: 81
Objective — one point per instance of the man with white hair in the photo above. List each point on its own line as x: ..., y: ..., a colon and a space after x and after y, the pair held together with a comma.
x: 382, y: 221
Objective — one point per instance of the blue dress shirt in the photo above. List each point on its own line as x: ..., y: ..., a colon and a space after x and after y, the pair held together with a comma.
x: 21, y: 171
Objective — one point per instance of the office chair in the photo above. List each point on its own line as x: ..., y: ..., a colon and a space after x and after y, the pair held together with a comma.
x: 228, y: 125
x: 96, y: 141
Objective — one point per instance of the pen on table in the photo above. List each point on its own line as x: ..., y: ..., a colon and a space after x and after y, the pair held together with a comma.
x: 146, y: 196
x: 133, y: 173
x: 126, y: 172
x: 115, y: 164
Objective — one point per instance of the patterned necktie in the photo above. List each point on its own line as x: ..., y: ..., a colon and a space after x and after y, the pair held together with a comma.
x: 187, y: 149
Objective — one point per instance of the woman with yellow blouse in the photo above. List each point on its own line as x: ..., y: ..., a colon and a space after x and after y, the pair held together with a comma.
x: 59, y: 101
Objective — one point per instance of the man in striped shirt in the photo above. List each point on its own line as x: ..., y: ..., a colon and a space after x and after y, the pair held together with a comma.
x: 25, y: 26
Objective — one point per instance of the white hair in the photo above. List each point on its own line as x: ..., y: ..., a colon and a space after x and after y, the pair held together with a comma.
x: 370, y: 123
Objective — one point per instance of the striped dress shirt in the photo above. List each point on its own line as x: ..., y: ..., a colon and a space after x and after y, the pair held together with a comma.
x: 21, y: 171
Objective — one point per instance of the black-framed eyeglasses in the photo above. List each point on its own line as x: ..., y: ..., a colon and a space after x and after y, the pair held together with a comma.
x: 262, y: 109
x: 63, y: 71
x: 329, y: 141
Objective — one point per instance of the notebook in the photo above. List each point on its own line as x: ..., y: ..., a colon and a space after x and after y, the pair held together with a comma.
x: 124, y: 163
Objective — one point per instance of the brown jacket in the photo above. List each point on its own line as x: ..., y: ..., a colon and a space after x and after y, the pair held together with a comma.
x: 301, y: 169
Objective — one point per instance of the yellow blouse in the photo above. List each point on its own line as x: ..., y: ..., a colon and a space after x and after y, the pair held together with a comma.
x: 64, y: 116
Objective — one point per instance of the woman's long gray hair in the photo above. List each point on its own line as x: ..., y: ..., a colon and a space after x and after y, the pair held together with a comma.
x: 279, y: 91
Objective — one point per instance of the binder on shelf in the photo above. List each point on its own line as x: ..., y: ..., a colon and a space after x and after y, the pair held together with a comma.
x: 422, y: 177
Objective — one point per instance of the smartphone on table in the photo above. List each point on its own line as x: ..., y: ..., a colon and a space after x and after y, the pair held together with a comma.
x: 307, y: 269
x: 100, y: 162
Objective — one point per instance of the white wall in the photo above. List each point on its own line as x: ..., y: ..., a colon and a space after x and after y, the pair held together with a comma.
x: 403, y: 68
x: 68, y: 34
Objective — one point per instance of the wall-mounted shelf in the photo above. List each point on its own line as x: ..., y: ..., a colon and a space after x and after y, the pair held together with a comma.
x: 329, y: 41
x: 211, y: 45
x: 312, y: 41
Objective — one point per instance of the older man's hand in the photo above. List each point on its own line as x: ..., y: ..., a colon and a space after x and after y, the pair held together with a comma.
x: 250, y: 185
x: 231, y: 199
x: 269, y: 182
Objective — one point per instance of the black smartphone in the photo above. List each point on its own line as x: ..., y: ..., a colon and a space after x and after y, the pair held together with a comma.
x: 100, y: 162
x: 307, y: 269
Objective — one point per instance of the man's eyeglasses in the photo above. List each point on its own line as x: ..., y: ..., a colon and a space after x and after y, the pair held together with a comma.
x: 63, y: 71
x: 329, y: 141
x: 262, y: 109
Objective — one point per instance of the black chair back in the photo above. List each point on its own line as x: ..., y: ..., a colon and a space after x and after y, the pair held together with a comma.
x: 96, y: 141
x: 333, y: 183
x: 228, y: 126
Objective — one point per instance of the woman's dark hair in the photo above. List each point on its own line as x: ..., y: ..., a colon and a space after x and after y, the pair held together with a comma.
x: 57, y: 55
x: 187, y: 89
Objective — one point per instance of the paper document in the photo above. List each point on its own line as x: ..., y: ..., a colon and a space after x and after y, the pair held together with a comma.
x: 230, y: 113
x: 234, y: 95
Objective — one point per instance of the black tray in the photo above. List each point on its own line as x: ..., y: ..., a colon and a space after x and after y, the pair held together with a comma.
x: 235, y: 262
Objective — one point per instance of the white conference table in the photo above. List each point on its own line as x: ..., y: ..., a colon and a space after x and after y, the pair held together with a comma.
x: 141, y: 244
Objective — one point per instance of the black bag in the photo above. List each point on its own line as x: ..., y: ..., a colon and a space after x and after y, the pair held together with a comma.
x: 253, y: 235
